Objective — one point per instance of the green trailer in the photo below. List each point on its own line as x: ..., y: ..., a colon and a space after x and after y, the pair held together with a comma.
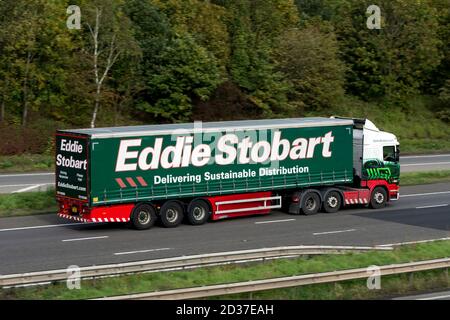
x: 143, y: 173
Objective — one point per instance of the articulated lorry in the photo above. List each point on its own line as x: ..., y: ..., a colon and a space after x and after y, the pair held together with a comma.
x: 208, y: 171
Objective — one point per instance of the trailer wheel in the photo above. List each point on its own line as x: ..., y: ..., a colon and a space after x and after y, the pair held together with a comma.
x: 310, y: 203
x: 143, y: 216
x: 198, y: 212
x: 171, y: 214
x: 378, y: 198
x: 332, y: 202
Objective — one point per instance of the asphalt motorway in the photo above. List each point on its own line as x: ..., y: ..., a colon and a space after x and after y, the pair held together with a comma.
x: 11, y: 183
x: 26, y: 182
x: 46, y: 242
x: 441, y: 295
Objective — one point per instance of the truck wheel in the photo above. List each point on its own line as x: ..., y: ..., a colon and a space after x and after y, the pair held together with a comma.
x: 143, y: 216
x: 310, y: 203
x: 378, y: 198
x: 198, y: 212
x: 171, y: 214
x: 332, y: 202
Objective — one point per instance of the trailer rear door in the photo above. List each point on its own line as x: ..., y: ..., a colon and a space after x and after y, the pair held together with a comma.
x: 72, y: 167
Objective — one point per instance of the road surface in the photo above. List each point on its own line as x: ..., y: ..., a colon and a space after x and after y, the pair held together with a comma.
x: 26, y: 182
x: 445, y: 295
x: 425, y: 163
x: 41, y: 181
x: 47, y: 242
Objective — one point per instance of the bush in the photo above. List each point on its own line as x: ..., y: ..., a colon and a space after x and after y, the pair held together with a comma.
x: 36, y: 138
x: 309, y: 59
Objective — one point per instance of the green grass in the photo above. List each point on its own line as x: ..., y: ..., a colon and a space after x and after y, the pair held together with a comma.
x: 26, y: 163
x: 426, y: 177
x: 391, y: 286
x: 146, y: 282
x: 19, y: 204
x: 417, y: 127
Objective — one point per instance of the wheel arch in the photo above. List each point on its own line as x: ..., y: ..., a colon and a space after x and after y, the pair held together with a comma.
x: 137, y: 204
x: 305, y: 191
x: 385, y: 188
x: 312, y: 190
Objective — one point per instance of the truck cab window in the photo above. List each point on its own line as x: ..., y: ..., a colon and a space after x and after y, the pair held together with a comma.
x: 389, y: 153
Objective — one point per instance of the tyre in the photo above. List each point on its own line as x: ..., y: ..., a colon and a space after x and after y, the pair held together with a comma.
x: 198, y: 212
x: 332, y: 202
x: 378, y: 198
x: 143, y: 216
x: 171, y: 214
x: 310, y: 203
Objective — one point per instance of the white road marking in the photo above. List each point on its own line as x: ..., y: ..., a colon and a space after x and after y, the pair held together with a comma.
x: 433, y: 206
x: 424, y: 194
x: 82, y: 239
x: 44, y: 226
x: 425, y: 156
x: 26, y: 175
x: 28, y: 188
x: 17, y: 185
x: 435, y: 298
x: 332, y: 232
x: 141, y: 251
x: 274, y: 221
x: 412, y: 242
x: 423, y: 164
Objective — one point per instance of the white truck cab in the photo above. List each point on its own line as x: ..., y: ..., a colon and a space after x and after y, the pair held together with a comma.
x: 378, y: 144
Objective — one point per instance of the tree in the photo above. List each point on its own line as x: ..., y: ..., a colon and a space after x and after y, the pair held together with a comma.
x: 175, y: 69
x: 205, y: 21
x: 324, y: 9
x: 439, y: 79
x: 185, y: 71
x: 109, y: 38
x: 31, y: 35
x: 254, y: 28
x: 309, y: 58
x: 395, y: 60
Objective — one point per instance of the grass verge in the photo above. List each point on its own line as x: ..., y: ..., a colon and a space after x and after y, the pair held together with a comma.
x: 20, y: 204
x: 391, y: 286
x: 146, y: 282
x: 426, y: 177
x: 26, y: 163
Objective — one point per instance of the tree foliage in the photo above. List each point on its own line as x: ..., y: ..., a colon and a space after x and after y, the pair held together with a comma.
x: 281, y: 57
x: 395, y: 60
x: 308, y: 56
